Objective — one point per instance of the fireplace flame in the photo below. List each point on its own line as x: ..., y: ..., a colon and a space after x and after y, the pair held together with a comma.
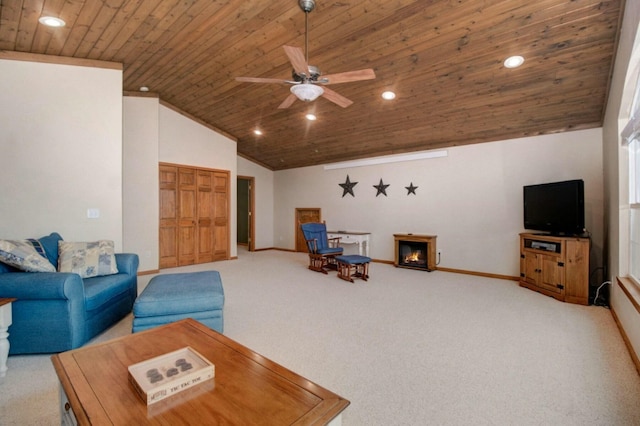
x: 413, y: 257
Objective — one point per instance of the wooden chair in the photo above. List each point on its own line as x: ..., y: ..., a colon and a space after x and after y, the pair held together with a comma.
x: 322, y: 250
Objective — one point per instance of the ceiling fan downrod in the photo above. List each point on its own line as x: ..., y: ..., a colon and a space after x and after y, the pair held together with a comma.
x: 306, y: 6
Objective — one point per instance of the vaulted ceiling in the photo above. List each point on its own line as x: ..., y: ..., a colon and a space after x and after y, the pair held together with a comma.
x: 442, y: 58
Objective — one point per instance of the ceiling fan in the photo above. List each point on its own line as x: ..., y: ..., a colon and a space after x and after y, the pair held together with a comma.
x: 308, y: 83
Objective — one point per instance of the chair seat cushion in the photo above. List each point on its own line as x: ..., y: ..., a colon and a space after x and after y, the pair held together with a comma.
x: 330, y: 250
x: 172, y: 294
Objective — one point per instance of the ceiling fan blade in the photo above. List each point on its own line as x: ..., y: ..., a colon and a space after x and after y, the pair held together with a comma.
x: 288, y: 101
x: 336, y: 98
x: 260, y: 80
x: 296, y: 57
x: 345, y: 77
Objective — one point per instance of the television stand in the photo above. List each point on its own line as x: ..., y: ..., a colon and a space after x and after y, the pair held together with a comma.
x: 556, y: 266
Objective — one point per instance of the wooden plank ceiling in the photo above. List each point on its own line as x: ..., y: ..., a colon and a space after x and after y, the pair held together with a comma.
x: 442, y: 58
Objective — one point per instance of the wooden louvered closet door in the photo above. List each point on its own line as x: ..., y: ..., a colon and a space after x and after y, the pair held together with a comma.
x: 187, y: 229
x: 194, y: 226
x: 168, y: 234
x: 221, y: 215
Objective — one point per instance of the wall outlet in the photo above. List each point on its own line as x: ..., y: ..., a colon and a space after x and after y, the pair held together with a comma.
x: 93, y: 213
x: 439, y: 252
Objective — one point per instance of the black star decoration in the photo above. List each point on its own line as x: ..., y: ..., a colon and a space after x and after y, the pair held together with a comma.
x: 411, y: 189
x: 347, y: 187
x: 382, y: 188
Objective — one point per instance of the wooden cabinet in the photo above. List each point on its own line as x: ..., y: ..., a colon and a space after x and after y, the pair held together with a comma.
x: 194, y: 215
x: 556, y: 266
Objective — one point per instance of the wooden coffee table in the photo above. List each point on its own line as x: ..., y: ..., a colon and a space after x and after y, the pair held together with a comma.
x: 247, y: 387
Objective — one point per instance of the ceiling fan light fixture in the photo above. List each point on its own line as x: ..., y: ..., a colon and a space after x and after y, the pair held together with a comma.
x: 388, y: 95
x: 311, y: 117
x: 513, y: 61
x: 51, y: 21
x: 307, y: 92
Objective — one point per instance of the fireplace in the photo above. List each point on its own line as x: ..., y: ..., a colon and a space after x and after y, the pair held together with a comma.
x: 413, y: 254
x: 415, y: 251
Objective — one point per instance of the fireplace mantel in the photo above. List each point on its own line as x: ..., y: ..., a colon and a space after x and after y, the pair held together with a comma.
x: 431, y: 248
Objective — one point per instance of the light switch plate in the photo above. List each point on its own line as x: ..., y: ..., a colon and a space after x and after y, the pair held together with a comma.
x: 93, y: 213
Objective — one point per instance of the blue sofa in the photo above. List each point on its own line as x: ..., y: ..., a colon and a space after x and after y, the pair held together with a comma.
x: 56, y: 311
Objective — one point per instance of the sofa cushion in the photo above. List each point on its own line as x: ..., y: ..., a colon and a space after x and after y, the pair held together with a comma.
x: 50, y: 244
x: 87, y: 259
x: 4, y: 268
x: 26, y: 255
x: 102, y: 290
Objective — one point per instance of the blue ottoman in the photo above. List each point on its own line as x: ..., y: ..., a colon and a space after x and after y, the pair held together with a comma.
x: 172, y: 297
x: 359, y: 265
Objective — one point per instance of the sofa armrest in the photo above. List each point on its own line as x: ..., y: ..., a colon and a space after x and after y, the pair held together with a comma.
x: 41, y: 285
x: 127, y: 263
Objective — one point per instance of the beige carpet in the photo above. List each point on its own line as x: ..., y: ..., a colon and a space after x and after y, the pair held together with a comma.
x: 406, y: 348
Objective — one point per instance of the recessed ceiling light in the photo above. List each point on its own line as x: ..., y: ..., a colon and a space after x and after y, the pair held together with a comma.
x: 257, y: 132
x: 144, y: 89
x: 388, y: 95
x: 311, y: 117
x: 513, y: 61
x: 51, y: 21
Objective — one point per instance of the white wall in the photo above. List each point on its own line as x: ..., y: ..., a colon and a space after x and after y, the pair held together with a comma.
x: 615, y: 158
x: 471, y: 199
x: 184, y: 141
x: 153, y: 134
x: 263, y: 193
x: 60, y: 151
x: 140, y: 180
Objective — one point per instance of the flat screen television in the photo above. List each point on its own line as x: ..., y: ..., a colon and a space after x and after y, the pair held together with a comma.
x: 556, y: 207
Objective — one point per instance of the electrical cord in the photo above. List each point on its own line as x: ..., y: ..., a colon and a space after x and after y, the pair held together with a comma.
x: 595, y: 299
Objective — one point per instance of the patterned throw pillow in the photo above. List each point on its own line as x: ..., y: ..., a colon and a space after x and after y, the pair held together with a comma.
x: 27, y: 255
x: 89, y: 259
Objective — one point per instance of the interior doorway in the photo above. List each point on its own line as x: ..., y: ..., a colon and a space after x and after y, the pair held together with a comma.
x: 304, y: 215
x: 245, y: 212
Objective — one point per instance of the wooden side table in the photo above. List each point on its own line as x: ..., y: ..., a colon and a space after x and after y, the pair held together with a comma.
x: 359, y: 238
x: 5, y: 322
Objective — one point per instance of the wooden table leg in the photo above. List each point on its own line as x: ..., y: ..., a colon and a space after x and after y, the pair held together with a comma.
x: 5, y: 322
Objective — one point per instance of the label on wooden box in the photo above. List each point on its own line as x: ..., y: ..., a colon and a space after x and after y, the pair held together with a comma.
x: 168, y: 374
